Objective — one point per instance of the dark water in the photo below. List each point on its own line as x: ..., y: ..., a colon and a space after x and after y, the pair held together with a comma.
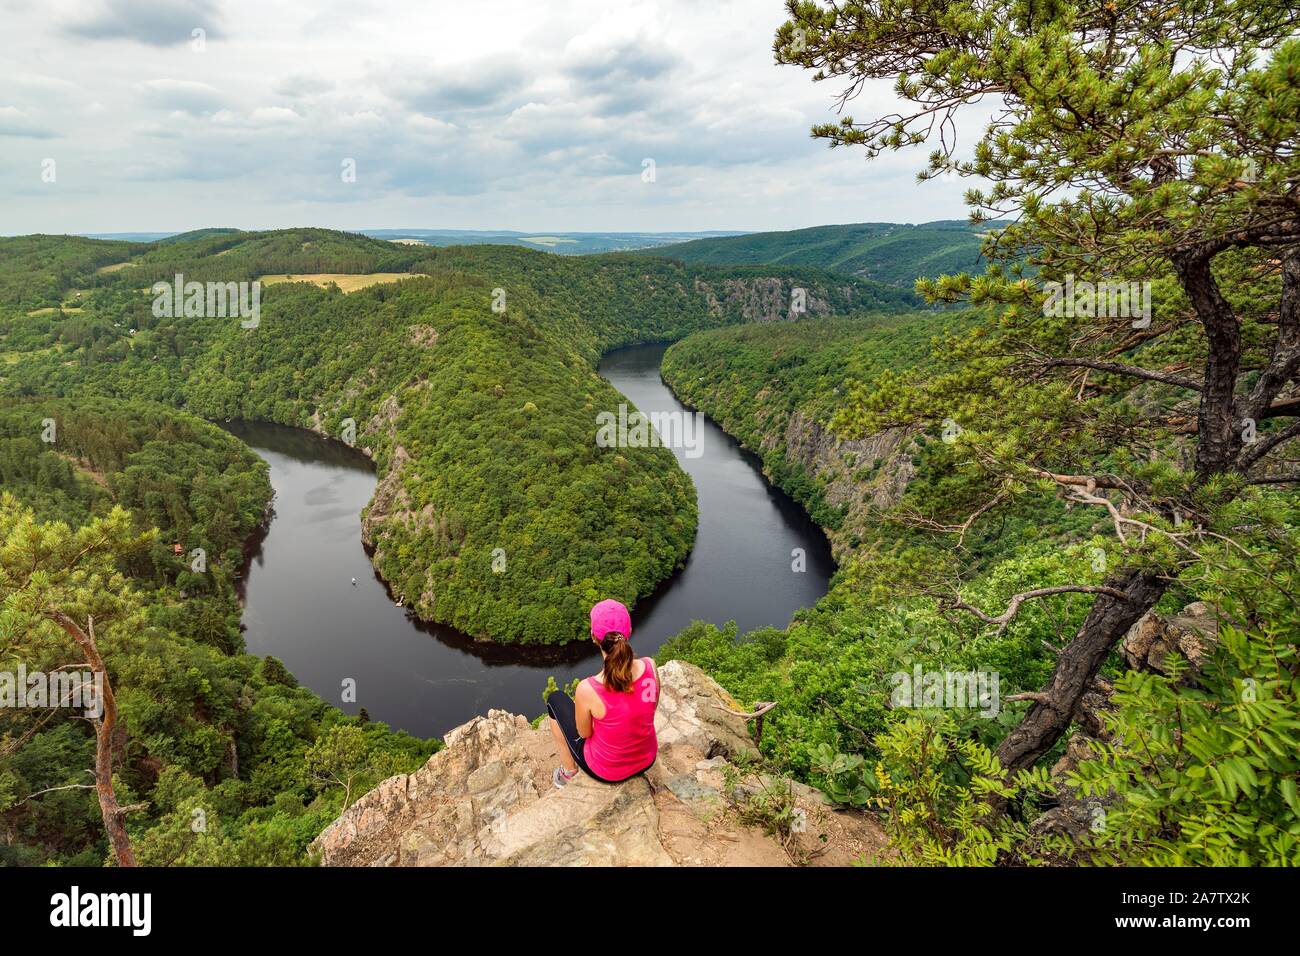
x: 301, y: 606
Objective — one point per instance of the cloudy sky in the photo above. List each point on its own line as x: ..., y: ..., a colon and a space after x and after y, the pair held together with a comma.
x: 492, y: 114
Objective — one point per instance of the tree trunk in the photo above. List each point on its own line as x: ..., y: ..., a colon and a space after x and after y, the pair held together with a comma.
x: 1219, y: 441
x: 1218, y: 434
x: 1106, y: 623
x: 109, y: 808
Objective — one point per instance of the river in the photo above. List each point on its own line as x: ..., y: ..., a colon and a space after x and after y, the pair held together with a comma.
x: 300, y: 604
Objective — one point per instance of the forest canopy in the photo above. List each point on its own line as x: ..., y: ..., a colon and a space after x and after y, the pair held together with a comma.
x: 481, y: 419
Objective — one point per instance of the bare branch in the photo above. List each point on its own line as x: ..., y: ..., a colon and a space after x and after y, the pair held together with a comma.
x: 1035, y: 695
x: 1013, y: 608
x: 1255, y: 452
x: 67, y: 786
x: 1274, y: 479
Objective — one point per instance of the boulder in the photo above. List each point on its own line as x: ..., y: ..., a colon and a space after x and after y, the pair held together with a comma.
x: 1192, y: 633
x: 486, y: 799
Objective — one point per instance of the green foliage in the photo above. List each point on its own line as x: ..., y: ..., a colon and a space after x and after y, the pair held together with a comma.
x: 1204, y: 777
x: 1201, y: 768
x: 42, y: 272
x: 770, y: 807
x: 843, y: 776
x: 937, y: 789
x: 571, y: 688
x: 830, y: 669
x: 759, y: 380
x: 207, y: 728
x: 482, y: 422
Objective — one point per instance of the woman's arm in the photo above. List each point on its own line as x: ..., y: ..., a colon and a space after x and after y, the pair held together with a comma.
x: 582, y: 704
x: 654, y: 670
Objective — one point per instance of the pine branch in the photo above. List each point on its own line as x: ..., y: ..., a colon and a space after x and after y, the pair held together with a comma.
x: 1119, y: 368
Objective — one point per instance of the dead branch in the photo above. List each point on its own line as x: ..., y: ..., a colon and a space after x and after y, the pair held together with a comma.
x: 1013, y: 608
x: 109, y: 808
x: 1035, y: 695
x: 66, y: 786
x: 1274, y: 479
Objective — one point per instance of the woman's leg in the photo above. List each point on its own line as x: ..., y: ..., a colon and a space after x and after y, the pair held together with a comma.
x: 566, y: 758
x: 564, y: 724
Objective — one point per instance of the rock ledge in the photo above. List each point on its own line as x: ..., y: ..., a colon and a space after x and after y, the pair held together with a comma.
x: 487, y: 799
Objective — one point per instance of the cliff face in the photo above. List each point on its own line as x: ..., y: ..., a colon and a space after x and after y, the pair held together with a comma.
x: 487, y: 799
x: 769, y: 298
x: 858, y: 475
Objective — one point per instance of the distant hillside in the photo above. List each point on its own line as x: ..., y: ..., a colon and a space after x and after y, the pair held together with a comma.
x: 565, y: 243
x: 480, y: 419
x: 894, y: 253
x: 209, y: 233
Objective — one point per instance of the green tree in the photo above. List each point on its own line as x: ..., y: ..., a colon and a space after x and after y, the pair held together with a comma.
x: 340, y: 758
x: 52, y: 579
x: 1132, y: 142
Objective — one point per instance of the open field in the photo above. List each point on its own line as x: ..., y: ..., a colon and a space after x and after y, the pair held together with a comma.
x: 346, y: 283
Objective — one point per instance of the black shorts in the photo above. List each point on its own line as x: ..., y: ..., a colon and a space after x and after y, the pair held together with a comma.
x: 560, y: 706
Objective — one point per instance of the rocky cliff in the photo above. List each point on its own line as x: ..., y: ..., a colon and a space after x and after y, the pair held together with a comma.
x: 860, y: 475
x: 487, y: 799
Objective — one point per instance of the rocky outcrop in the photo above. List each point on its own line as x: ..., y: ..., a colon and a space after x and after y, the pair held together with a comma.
x: 1191, y: 633
x: 487, y: 799
x: 1073, y: 816
x: 422, y: 336
x: 390, y: 498
x: 861, y: 475
x: 770, y: 299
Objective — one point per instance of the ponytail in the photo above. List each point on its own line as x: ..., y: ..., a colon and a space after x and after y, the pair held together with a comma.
x: 617, y: 674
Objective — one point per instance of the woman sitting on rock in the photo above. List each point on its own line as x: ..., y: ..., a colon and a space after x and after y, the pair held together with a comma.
x: 608, y: 729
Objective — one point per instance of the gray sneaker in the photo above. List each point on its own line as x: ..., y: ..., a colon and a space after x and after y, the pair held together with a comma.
x: 560, y: 777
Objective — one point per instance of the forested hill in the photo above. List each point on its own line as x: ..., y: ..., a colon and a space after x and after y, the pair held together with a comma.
x: 471, y: 382
x: 930, y: 553
x: 136, y: 516
x: 889, y: 252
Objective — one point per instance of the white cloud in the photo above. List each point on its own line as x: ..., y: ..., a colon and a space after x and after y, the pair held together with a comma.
x: 498, y: 114
x: 186, y: 96
x: 15, y: 122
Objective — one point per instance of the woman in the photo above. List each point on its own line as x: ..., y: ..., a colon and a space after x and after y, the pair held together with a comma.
x: 608, y: 728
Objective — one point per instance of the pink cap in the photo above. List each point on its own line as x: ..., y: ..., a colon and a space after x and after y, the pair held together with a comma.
x: 610, y: 615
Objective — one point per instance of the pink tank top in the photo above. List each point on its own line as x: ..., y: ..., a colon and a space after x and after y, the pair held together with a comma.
x: 623, y: 742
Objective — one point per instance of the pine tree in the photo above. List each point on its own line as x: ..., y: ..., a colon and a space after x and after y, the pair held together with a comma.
x: 1144, y: 147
